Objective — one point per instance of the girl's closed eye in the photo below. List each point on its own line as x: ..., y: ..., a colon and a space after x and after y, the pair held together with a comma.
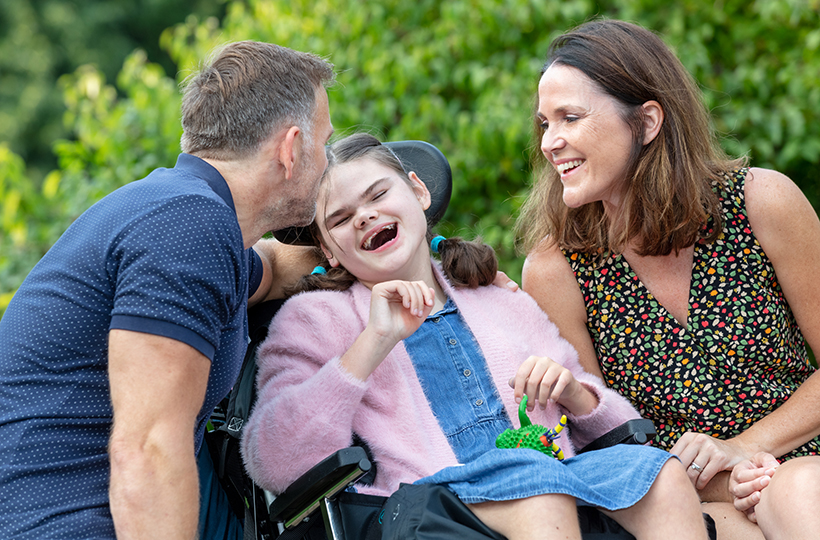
x: 335, y: 223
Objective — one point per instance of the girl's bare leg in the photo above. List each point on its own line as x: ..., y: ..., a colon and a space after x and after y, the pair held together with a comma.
x: 730, y: 523
x: 540, y: 517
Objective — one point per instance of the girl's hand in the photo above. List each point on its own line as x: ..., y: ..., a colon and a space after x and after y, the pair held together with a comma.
x: 397, y: 308
x: 544, y: 380
x: 709, y: 456
x: 748, y: 479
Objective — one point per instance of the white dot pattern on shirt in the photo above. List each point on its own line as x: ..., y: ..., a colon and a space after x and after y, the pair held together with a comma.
x: 54, y: 405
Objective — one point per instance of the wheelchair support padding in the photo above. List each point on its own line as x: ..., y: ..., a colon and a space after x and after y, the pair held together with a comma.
x: 324, y: 480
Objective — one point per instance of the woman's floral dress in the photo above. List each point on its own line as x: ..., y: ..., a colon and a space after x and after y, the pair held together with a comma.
x: 739, y: 357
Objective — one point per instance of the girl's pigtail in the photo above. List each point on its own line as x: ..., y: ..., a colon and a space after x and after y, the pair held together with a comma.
x: 466, y: 264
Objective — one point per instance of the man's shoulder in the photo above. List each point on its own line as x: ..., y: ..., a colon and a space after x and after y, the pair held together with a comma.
x: 163, y: 187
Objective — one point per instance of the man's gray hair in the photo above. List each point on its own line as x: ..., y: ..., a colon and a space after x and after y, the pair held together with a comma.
x: 246, y: 93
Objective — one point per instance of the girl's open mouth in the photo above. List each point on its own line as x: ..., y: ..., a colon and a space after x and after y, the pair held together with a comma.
x: 380, y: 238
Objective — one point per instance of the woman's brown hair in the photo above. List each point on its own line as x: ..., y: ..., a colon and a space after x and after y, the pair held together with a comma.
x: 466, y: 264
x: 668, y: 190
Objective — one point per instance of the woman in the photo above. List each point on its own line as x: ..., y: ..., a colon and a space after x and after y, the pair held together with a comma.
x: 418, y: 366
x: 682, y: 278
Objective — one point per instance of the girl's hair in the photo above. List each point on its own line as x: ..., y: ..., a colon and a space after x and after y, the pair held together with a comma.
x: 465, y: 264
x: 668, y: 190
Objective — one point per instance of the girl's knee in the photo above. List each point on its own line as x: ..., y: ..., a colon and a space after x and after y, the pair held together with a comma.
x: 672, y: 491
x: 673, y: 478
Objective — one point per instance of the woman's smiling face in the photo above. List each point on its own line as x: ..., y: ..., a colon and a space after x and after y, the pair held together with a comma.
x: 372, y: 221
x: 585, y: 137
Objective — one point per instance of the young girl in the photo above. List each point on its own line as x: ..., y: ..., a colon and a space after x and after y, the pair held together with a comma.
x: 418, y: 361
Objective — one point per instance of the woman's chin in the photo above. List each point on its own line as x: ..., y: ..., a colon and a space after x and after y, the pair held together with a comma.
x: 573, y: 201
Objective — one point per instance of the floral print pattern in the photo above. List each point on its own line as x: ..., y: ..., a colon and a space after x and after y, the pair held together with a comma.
x: 738, y: 358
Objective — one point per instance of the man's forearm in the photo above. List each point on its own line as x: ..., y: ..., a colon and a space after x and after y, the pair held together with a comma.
x: 154, y: 494
x: 157, y: 387
x: 284, y: 265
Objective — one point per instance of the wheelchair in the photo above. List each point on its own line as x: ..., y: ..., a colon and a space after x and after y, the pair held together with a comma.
x: 319, y: 506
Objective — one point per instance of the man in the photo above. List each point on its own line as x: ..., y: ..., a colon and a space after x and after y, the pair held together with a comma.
x: 133, y: 326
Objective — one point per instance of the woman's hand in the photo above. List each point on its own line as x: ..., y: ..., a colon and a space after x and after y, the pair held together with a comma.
x: 504, y: 282
x: 543, y: 380
x: 705, y: 456
x: 397, y: 309
x: 748, y: 479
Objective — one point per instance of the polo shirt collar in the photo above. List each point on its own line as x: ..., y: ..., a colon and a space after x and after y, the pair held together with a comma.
x: 202, y: 169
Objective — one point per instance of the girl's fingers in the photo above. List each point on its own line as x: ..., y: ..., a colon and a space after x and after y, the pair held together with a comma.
x: 428, y: 295
x: 560, y: 385
x: 535, y: 389
x: 521, y: 376
x: 415, y: 296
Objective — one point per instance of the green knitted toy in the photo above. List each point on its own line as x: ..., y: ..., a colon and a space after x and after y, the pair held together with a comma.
x: 531, y: 435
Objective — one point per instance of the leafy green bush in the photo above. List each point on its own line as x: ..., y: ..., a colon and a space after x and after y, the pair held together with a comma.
x: 460, y: 74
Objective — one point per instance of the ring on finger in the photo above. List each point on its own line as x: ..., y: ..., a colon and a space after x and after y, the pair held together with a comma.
x: 696, y: 467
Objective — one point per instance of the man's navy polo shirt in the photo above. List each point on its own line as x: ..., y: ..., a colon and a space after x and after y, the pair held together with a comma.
x: 163, y: 255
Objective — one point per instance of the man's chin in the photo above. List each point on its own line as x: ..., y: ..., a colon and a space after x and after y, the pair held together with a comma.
x: 292, y: 219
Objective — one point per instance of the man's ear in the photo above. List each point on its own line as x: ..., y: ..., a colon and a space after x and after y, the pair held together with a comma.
x: 288, y: 150
x: 652, y: 120
x: 421, y: 191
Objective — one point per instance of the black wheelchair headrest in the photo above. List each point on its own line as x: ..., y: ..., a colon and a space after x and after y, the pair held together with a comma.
x: 420, y: 157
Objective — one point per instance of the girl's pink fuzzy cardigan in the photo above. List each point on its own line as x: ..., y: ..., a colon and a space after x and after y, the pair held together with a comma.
x: 308, y: 406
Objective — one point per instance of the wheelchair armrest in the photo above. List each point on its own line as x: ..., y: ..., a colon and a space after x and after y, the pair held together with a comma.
x: 324, y: 480
x: 637, y: 431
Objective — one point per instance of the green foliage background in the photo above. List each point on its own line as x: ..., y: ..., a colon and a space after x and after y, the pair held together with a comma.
x: 458, y: 73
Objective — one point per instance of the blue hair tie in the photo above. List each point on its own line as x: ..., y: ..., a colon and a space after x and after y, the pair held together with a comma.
x: 435, y: 242
x: 319, y: 270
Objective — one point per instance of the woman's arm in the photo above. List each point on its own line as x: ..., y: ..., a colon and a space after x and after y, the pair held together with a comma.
x: 788, y: 230
x: 548, y: 278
